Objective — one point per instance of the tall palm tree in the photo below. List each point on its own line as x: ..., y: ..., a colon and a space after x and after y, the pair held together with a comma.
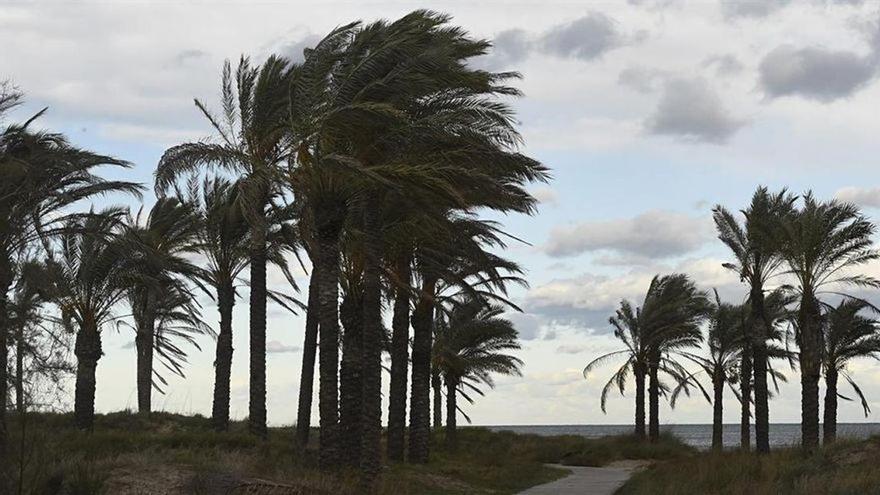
x: 91, y: 275
x: 848, y: 334
x: 821, y: 244
x: 252, y: 142
x: 158, y: 247
x: 757, y: 259
x: 724, y: 339
x: 42, y: 175
x: 472, y: 343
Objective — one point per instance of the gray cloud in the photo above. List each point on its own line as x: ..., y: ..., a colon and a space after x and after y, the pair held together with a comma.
x: 641, y: 79
x: 586, y: 38
x: 650, y: 235
x: 751, y: 8
x: 528, y: 325
x: 691, y: 110
x: 865, y: 197
x: 814, y: 73
x: 724, y: 65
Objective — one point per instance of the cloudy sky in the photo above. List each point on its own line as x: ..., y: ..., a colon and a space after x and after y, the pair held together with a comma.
x: 648, y: 112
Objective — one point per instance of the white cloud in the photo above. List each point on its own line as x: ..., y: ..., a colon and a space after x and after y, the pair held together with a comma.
x: 865, y: 197
x: 652, y: 235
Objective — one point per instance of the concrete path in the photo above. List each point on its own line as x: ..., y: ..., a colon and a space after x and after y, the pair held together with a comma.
x: 588, y: 480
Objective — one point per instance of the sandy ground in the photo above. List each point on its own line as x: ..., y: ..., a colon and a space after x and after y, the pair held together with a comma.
x: 589, y: 480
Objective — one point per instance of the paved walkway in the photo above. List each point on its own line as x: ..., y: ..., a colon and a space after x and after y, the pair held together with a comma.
x: 588, y: 480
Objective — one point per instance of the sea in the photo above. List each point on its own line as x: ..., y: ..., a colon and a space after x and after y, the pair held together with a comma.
x: 698, y: 436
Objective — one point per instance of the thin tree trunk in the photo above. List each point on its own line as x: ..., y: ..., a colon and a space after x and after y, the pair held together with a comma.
x: 371, y: 363
x: 640, y: 373
x: 745, y: 429
x: 351, y: 389
x: 451, y: 411
x: 653, y: 402
x: 327, y: 259
x: 5, y: 283
x: 419, y: 410
x: 223, y: 359
x: 399, y: 364
x: 810, y: 370
x: 19, y: 370
x: 762, y: 408
x: 718, y: 412
x: 257, y: 403
x: 144, y: 346
x: 307, y: 376
x: 436, y: 387
x: 87, y: 351
x: 830, y: 424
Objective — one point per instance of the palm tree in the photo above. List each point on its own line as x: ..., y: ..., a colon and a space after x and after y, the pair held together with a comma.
x: 91, y: 275
x: 757, y: 259
x: 848, y: 335
x: 628, y: 329
x: 821, y: 243
x: 42, y: 175
x: 471, y: 343
x: 253, y: 142
x: 725, y: 340
x: 158, y: 245
x: 670, y: 320
x: 222, y: 238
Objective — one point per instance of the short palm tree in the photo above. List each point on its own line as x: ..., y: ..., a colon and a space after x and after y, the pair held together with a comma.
x: 848, y: 334
x: 725, y: 341
x: 757, y: 260
x: 91, y: 275
x: 821, y: 243
x: 472, y: 343
x: 666, y: 323
x: 41, y: 175
x: 158, y: 244
x: 252, y: 142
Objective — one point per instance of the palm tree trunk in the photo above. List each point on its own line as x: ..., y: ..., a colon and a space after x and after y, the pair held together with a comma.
x: 653, y: 402
x: 451, y: 411
x: 5, y: 283
x: 640, y: 373
x: 327, y: 258
x: 761, y: 333
x: 372, y: 344
x: 718, y: 412
x: 436, y: 387
x: 350, y: 378
x: 830, y: 423
x: 144, y: 346
x: 745, y: 428
x: 257, y: 403
x: 87, y: 351
x: 419, y: 411
x: 808, y: 320
x: 223, y: 360
x: 307, y: 376
x: 399, y: 364
x: 19, y: 371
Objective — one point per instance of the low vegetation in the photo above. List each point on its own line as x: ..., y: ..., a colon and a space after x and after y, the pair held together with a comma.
x: 846, y: 467
x: 168, y: 453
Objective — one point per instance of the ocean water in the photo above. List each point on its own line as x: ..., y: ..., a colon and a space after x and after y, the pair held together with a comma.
x: 699, y: 436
